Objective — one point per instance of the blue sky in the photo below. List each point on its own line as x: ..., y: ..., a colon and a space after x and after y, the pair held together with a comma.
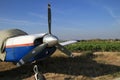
x: 71, y: 19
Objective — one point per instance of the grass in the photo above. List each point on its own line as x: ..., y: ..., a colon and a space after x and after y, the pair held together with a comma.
x: 86, y: 66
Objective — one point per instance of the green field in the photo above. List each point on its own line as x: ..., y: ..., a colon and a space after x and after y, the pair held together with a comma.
x: 110, y: 46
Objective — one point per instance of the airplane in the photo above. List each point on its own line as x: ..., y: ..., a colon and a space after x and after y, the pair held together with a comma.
x: 28, y: 48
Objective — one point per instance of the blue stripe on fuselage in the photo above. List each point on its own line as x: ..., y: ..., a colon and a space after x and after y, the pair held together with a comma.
x: 16, y: 53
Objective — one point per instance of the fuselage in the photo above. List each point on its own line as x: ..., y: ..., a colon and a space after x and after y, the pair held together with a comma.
x: 17, y: 47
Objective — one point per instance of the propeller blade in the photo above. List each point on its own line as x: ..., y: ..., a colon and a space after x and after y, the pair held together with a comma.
x: 32, y: 54
x: 49, y: 18
x: 64, y: 50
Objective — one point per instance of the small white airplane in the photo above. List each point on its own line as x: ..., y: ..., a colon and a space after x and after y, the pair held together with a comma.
x: 28, y: 48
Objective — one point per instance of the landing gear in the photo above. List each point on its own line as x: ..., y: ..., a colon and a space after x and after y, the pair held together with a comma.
x: 38, y: 75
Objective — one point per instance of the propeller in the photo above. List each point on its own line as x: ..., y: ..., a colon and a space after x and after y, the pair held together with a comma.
x: 32, y: 54
x: 49, y: 40
x: 49, y: 19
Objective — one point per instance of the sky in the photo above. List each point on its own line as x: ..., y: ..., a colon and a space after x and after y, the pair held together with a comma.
x: 71, y: 19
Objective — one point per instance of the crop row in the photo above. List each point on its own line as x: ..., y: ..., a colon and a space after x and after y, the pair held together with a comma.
x: 95, y: 46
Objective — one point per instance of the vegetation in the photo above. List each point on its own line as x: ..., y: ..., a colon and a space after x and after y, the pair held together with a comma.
x: 95, y: 45
x: 84, y: 66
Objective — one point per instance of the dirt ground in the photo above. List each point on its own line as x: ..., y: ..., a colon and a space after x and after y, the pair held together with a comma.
x: 99, y: 66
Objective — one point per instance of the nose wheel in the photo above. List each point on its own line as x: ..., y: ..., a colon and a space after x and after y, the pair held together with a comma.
x: 38, y: 75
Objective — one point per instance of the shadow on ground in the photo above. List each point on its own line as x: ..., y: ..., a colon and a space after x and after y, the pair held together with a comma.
x: 85, y: 66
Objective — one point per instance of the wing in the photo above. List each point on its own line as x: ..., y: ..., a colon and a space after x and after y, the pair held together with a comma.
x: 67, y: 43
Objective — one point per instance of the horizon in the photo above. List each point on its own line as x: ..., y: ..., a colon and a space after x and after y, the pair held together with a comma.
x: 73, y: 19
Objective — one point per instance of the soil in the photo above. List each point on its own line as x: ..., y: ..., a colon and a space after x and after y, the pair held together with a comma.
x: 99, y: 66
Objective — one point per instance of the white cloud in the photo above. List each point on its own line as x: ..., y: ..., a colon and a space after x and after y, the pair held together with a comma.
x: 112, y: 11
x: 19, y: 22
x: 113, y: 14
x: 38, y: 15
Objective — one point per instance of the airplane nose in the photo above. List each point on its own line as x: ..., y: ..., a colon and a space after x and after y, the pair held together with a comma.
x: 51, y: 40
